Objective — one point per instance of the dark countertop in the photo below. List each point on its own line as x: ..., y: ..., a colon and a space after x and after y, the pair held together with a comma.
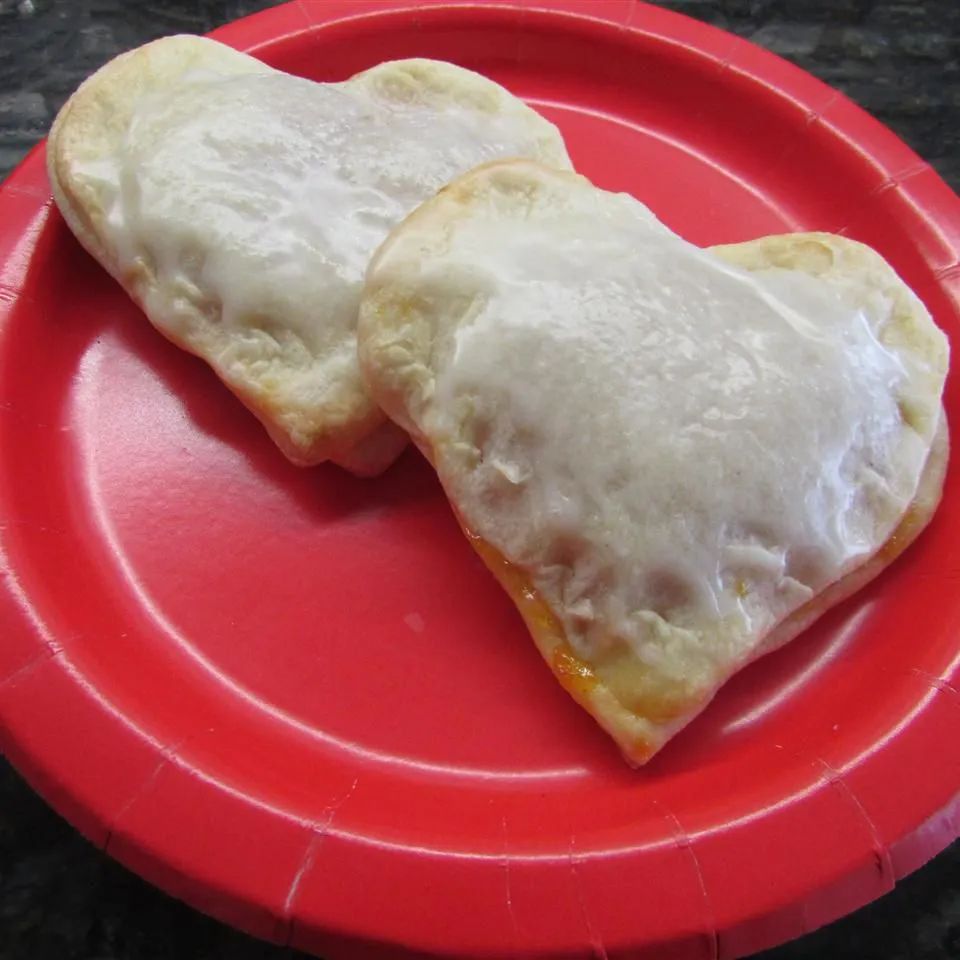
x: 62, y: 899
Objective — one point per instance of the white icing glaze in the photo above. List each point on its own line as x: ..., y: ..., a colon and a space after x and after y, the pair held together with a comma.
x: 259, y: 198
x: 680, y: 452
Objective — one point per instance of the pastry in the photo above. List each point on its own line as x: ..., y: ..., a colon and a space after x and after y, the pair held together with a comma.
x: 239, y: 207
x: 673, y: 459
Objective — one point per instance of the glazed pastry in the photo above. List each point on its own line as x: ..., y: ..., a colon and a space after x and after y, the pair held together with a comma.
x: 239, y: 207
x: 673, y: 459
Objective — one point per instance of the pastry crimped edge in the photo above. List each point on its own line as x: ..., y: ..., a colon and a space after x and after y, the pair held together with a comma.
x: 814, y: 253
x: 349, y: 428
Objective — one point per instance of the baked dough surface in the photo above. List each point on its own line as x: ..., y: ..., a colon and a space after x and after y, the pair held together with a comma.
x: 673, y: 459
x: 239, y: 207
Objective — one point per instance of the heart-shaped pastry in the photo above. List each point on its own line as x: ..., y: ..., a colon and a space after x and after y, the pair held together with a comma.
x: 673, y: 459
x: 239, y: 207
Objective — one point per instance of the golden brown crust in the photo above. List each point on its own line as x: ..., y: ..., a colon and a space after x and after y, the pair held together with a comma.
x: 908, y: 330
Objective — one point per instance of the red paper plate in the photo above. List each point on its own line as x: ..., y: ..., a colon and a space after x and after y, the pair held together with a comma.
x: 298, y: 701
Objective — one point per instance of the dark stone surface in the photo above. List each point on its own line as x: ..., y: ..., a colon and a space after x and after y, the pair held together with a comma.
x: 62, y: 899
